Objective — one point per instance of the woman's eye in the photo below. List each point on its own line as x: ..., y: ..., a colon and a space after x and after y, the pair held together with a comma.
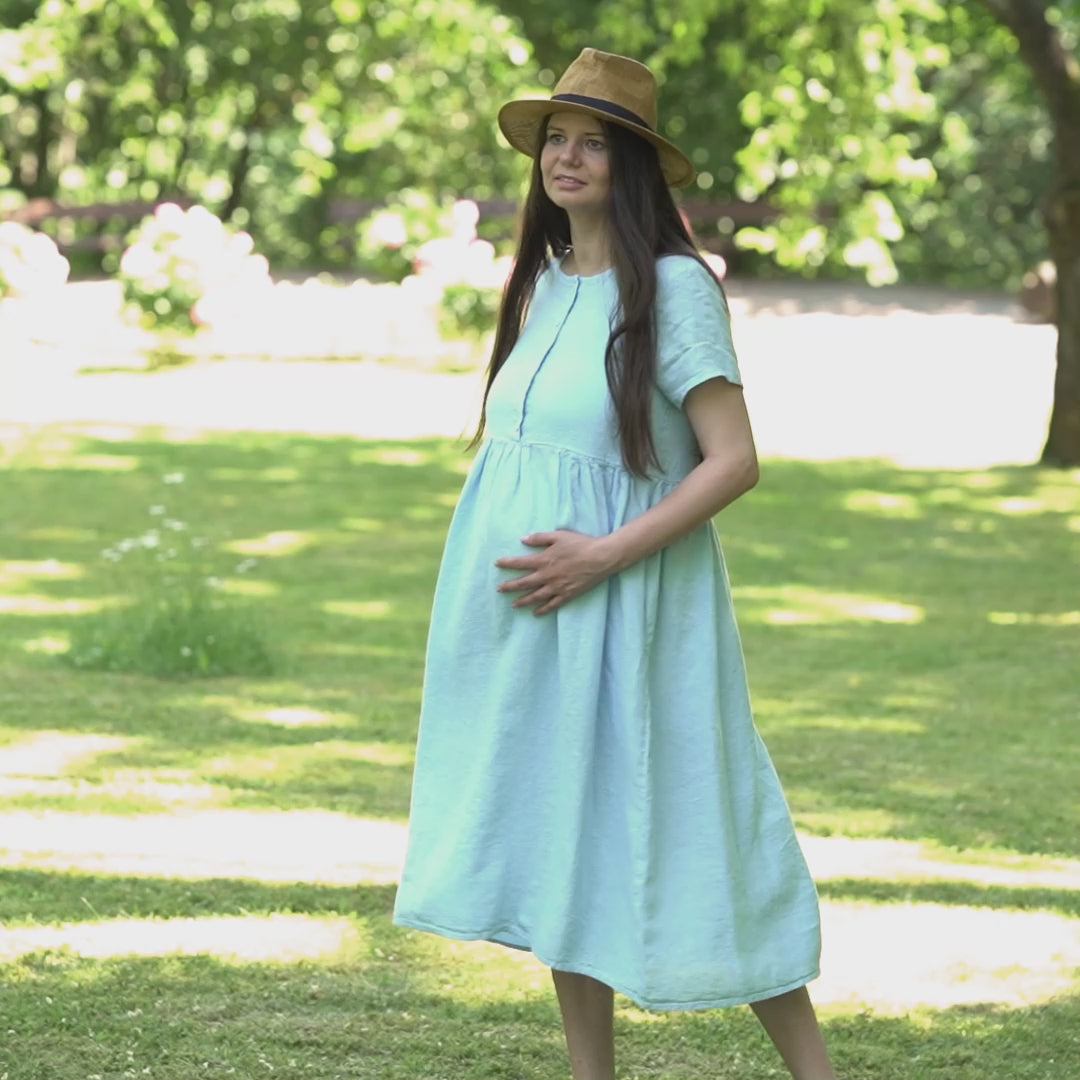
x: 595, y: 144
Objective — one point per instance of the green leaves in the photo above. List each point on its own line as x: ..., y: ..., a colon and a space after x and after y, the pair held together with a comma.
x: 262, y: 110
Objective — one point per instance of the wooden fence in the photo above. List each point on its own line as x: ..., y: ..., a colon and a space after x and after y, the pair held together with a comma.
x: 703, y: 214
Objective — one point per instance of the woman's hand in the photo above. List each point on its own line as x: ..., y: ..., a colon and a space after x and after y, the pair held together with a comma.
x: 570, y: 564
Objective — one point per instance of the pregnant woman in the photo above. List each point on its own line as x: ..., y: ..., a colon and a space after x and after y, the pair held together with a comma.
x: 589, y: 783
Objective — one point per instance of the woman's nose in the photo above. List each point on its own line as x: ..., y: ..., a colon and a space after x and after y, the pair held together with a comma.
x: 571, y: 150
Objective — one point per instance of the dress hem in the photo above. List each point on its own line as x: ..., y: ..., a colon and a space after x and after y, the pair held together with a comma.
x: 504, y: 937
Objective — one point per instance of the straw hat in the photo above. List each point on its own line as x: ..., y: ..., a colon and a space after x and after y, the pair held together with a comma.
x: 614, y: 88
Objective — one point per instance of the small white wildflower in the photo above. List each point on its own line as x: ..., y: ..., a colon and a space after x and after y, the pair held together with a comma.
x: 126, y: 545
x: 173, y: 478
x: 185, y: 650
x: 244, y: 566
x: 198, y: 541
x: 157, y: 511
x: 213, y: 582
x: 150, y: 539
x: 172, y: 523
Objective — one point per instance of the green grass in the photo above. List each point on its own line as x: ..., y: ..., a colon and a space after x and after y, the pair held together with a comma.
x: 912, y: 639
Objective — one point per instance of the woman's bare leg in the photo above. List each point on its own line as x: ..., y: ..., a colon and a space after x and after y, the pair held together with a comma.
x: 790, y: 1021
x: 588, y: 1020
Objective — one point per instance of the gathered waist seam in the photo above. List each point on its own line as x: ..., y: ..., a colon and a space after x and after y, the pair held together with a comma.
x: 566, y: 451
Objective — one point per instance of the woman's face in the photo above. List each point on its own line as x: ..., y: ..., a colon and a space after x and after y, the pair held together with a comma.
x: 574, y: 163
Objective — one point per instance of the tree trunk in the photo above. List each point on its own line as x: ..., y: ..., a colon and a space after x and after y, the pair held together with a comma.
x: 1063, y: 224
x: 1057, y: 74
x: 237, y: 177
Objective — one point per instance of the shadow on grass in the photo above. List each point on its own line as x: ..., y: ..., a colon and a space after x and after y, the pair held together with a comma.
x: 407, y: 1006
x: 910, y: 634
x: 1063, y: 901
x: 42, y: 896
x: 404, y: 1010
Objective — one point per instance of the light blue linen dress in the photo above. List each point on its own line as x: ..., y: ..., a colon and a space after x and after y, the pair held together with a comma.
x: 589, y: 784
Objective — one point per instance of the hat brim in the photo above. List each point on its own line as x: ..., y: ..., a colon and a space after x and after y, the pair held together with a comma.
x: 520, y: 122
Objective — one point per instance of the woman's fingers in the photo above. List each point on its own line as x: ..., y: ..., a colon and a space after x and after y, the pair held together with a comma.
x: 517, y: 584
x: 538, y: 596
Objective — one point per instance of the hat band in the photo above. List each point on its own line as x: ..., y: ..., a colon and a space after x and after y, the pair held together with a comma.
x: 603, y: 106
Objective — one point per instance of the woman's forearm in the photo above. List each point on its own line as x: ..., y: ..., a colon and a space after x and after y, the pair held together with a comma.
x: 702, y: 493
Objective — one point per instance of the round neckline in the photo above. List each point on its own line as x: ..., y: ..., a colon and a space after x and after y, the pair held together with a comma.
x: 598, y: 276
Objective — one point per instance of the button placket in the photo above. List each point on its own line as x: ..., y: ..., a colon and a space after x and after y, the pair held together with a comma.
x: 547, y: 353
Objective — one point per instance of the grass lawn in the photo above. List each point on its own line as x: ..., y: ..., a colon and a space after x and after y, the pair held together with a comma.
x: 913, y: 639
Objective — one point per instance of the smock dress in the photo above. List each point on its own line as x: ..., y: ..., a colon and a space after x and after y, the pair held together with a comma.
x: 589, y: 784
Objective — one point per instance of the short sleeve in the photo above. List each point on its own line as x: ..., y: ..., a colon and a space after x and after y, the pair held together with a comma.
x: 693, y: 331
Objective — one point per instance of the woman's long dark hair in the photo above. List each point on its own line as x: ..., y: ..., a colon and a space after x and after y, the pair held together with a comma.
x: 643, y: 224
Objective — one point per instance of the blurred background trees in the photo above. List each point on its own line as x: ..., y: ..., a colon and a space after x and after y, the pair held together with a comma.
x: 262, y: 110
x: 885, y: 139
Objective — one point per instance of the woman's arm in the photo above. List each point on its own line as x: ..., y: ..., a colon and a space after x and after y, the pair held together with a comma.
x: 729, y: 468
x: 572, y: 563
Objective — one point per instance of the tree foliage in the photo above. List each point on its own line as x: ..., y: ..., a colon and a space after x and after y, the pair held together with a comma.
x: 893, y: 136
x: 260, y: 109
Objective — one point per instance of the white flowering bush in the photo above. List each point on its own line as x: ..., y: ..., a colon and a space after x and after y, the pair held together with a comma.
x: 176, y: 620
x: 448, y: 260
x: 30, y: 261
x: 388, y: 240
x: 177, y: 258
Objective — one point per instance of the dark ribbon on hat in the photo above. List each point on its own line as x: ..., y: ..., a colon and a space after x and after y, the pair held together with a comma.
x: 603, y: 106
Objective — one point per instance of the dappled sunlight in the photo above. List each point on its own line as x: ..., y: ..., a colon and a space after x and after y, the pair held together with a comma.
x: 273, y: 544
x: 47, y: 645
x: 122, y: 787
x: 48, y: 753
x: 509, y: 974
x: 884, y: 725
x: 315, y: 846
x: 357, y: 524
x: 278, y: 715
x: 248, y: 586
x: 1019, y: 505
x: 65, y: 534
x: 105, y: 462
x: 13, y: 572
x: 884, y: 504
x: 798, y: 604
x: 1027, y: 618
x: 274, y: 474
x: 982, y: 481
x: 322, y: 846
x: 248, y: 939
x: 35, y: 604
x: 842, y: 822
x: 292, y: 716
x: 894, y: 957
x: 376, y: 455
x: 832, y: 857
x: 360, y: 609
x: 395, y: 755
x: 400, y: 457
x: 327, y: 769
x: 758, y: 549
x: 335, y: 648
